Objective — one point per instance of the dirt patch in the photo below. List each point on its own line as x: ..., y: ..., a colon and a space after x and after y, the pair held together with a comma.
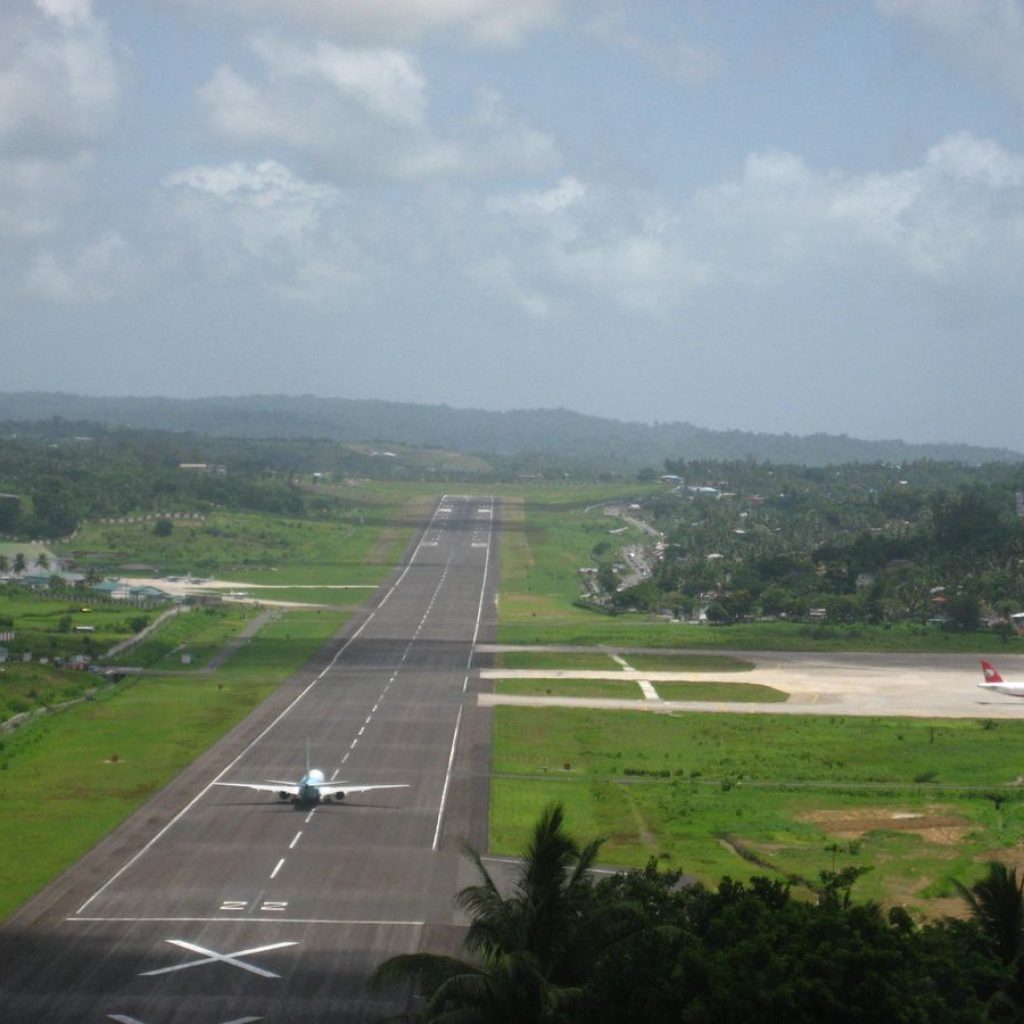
x: 935, y: 824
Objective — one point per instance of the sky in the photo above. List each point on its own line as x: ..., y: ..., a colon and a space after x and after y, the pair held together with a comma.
x: 793, y: 216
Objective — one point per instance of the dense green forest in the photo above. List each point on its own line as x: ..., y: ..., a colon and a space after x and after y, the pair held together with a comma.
x: 854, y: 543
x: 589, y: 443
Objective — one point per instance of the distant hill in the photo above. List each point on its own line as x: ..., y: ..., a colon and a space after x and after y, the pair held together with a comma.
x: 555, y: 434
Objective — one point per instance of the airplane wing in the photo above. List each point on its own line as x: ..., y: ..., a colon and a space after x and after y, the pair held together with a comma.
x: 330, y: 788
x: 265, y: 787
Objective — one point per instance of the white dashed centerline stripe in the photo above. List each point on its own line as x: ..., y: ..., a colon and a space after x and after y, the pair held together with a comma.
x: 291, y: 845
x: 280, y: 864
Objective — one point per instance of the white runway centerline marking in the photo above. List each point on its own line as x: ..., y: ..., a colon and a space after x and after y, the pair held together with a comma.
x: 280, y: 864
x: 298, y: 836
x: 210, y: 956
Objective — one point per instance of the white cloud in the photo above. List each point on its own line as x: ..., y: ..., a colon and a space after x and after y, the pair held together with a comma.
x: 956, y: 220
x: 362, y: 114
x: 985, y: 37
x: 59, y: 94
x: 493, y: 23
x: 240, y: 219
x: 677, y: 58
x: 94, y: 273
x: 58, y: 80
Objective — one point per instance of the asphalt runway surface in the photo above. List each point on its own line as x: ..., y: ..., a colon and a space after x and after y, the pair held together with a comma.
x: 216, y: 905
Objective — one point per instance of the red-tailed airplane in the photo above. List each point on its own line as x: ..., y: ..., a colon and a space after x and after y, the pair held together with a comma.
x: 994, y: 681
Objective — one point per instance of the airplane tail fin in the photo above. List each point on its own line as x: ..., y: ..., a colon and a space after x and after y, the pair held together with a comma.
x: 991, y: 673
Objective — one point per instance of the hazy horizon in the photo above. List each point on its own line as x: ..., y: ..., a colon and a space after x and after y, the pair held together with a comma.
x: 801, y: 219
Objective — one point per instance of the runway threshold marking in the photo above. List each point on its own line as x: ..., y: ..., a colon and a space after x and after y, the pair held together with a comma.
x: 210, y: 956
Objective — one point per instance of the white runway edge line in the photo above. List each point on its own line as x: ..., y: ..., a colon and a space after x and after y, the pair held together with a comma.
x: 465, y: 683
x: 341, y: 650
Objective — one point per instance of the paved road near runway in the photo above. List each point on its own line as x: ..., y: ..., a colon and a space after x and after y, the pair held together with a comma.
x: 215, y: 905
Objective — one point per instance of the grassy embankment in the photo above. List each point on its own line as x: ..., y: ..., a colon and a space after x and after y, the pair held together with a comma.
x: 917, y: 801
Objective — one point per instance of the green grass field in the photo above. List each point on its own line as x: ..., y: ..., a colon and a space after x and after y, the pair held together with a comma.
x: 47, y: 626
x: 746, y: 693
x: 918, y: 801
x: 595, y: 688
x: 253, y: 549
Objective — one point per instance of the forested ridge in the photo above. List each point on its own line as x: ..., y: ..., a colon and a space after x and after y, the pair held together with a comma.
x: 591, y: 441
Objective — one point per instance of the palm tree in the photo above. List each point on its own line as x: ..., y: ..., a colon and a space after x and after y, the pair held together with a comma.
x: 996, y: 903
x: 997, y: 906
x: 19, y: 563
x: 530, y: 946
x: 5, y: 565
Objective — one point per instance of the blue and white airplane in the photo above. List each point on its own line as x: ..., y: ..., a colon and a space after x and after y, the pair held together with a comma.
x: 311, y: 789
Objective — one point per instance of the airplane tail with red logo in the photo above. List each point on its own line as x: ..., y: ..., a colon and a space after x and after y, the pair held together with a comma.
x: 991, y: 673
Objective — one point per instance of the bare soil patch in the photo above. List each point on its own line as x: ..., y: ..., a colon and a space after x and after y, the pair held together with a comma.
x: 935, y: 825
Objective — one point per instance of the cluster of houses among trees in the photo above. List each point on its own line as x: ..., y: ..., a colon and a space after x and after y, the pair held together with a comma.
x: 928, y: 542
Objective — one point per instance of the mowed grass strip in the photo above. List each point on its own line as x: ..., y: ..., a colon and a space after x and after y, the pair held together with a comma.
x: 69, y: 779
x: 583, y: 660
x: 591, y: 688
x: 744, y: 693
x: 918, y: 801
x: 645, y: 662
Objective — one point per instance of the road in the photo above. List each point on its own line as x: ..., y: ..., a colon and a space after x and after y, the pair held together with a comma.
x: 215, y: 905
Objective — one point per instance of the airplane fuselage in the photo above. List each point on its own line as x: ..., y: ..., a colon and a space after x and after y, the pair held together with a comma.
x: 308, y: 788
x: 1012, y: 689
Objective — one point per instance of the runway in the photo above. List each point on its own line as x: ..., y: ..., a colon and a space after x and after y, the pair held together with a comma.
x: 216, y: 905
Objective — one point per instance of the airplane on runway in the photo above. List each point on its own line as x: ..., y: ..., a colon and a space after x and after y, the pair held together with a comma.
x: 311, y: 789
x: 994, y: 681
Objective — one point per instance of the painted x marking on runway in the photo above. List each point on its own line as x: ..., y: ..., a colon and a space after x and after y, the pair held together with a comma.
x: 123, y: 1019
x: 212, y: 957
